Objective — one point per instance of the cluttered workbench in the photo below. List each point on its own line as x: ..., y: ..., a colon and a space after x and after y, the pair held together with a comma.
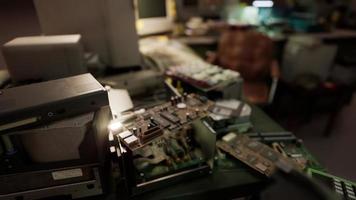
x: 226, y: 182
x: 230, y: 178
x: 182, y: 143
x: 170, y: 116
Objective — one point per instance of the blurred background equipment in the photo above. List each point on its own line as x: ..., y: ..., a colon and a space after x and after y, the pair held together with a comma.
x: 307, y: 56
x: 203, y: 8
x: 4, y: 78
x: 107, y: 27
x: 251, y: 54
x: 153, y: 17
x: 44, y: 57
x: 164, y: 53
x: 206, y: 79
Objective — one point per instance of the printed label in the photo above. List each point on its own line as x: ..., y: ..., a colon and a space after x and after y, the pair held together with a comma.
x: 65, y: 174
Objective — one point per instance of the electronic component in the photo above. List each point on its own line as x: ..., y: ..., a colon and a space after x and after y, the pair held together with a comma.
x: 202, y: 74
x: 44, y: 57
x: 257, y: 155
x: 230, y: 115
x: 344, y: 188
x: 80, y: 182
x: 166, y: 143
x: 292, y: 151
x: 45, y: 102
x: 211, y: 80
x: 169, y: 116
x: 288, y: 145
x: 65, y: 158
x: 55, y: 135
x: 270, y: 137
x: 45, y: 144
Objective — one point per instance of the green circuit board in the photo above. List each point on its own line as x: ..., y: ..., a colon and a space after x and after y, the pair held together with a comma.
x: 344, y: 188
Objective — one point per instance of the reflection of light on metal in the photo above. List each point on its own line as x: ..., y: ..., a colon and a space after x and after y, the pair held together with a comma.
x: 111, y: 137
x: 263, y: 3
x: 112, y: 149
x: 18, y: 123
x: 139, y: 25
x: 115, y: 126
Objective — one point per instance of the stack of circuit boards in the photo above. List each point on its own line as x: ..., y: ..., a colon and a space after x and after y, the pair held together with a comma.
x: 166, y: 142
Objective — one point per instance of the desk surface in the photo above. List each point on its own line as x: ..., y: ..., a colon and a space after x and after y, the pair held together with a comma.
x: 210, y: 40
x: 224, y: 182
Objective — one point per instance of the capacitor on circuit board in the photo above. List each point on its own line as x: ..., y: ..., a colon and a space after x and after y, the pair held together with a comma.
x: 172, y: 101
x: 134, y: 130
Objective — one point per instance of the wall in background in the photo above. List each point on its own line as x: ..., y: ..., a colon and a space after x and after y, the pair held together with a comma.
x: 17, y: 18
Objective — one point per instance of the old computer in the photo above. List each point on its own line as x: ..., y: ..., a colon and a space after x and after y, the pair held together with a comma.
x: 107, y: 27
x: 154, y: 16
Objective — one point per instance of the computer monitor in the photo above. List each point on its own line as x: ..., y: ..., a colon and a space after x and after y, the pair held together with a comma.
x: 106, y: 26
x: 153, y: 16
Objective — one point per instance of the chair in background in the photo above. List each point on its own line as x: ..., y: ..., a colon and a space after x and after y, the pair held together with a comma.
x: 251, y: 54
x: 308, y: 88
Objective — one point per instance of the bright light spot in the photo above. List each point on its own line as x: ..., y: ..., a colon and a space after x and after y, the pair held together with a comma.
x: 115, y: 126
x: 262, y: 4
x: 139, y: 24
x: 112, y: 149
x: 250, y: 15
x: 111, y: 137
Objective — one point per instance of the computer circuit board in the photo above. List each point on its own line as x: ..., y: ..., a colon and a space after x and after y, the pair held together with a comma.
x: 170, y: 139
x: 168, y: 117
x: 255, y: 154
